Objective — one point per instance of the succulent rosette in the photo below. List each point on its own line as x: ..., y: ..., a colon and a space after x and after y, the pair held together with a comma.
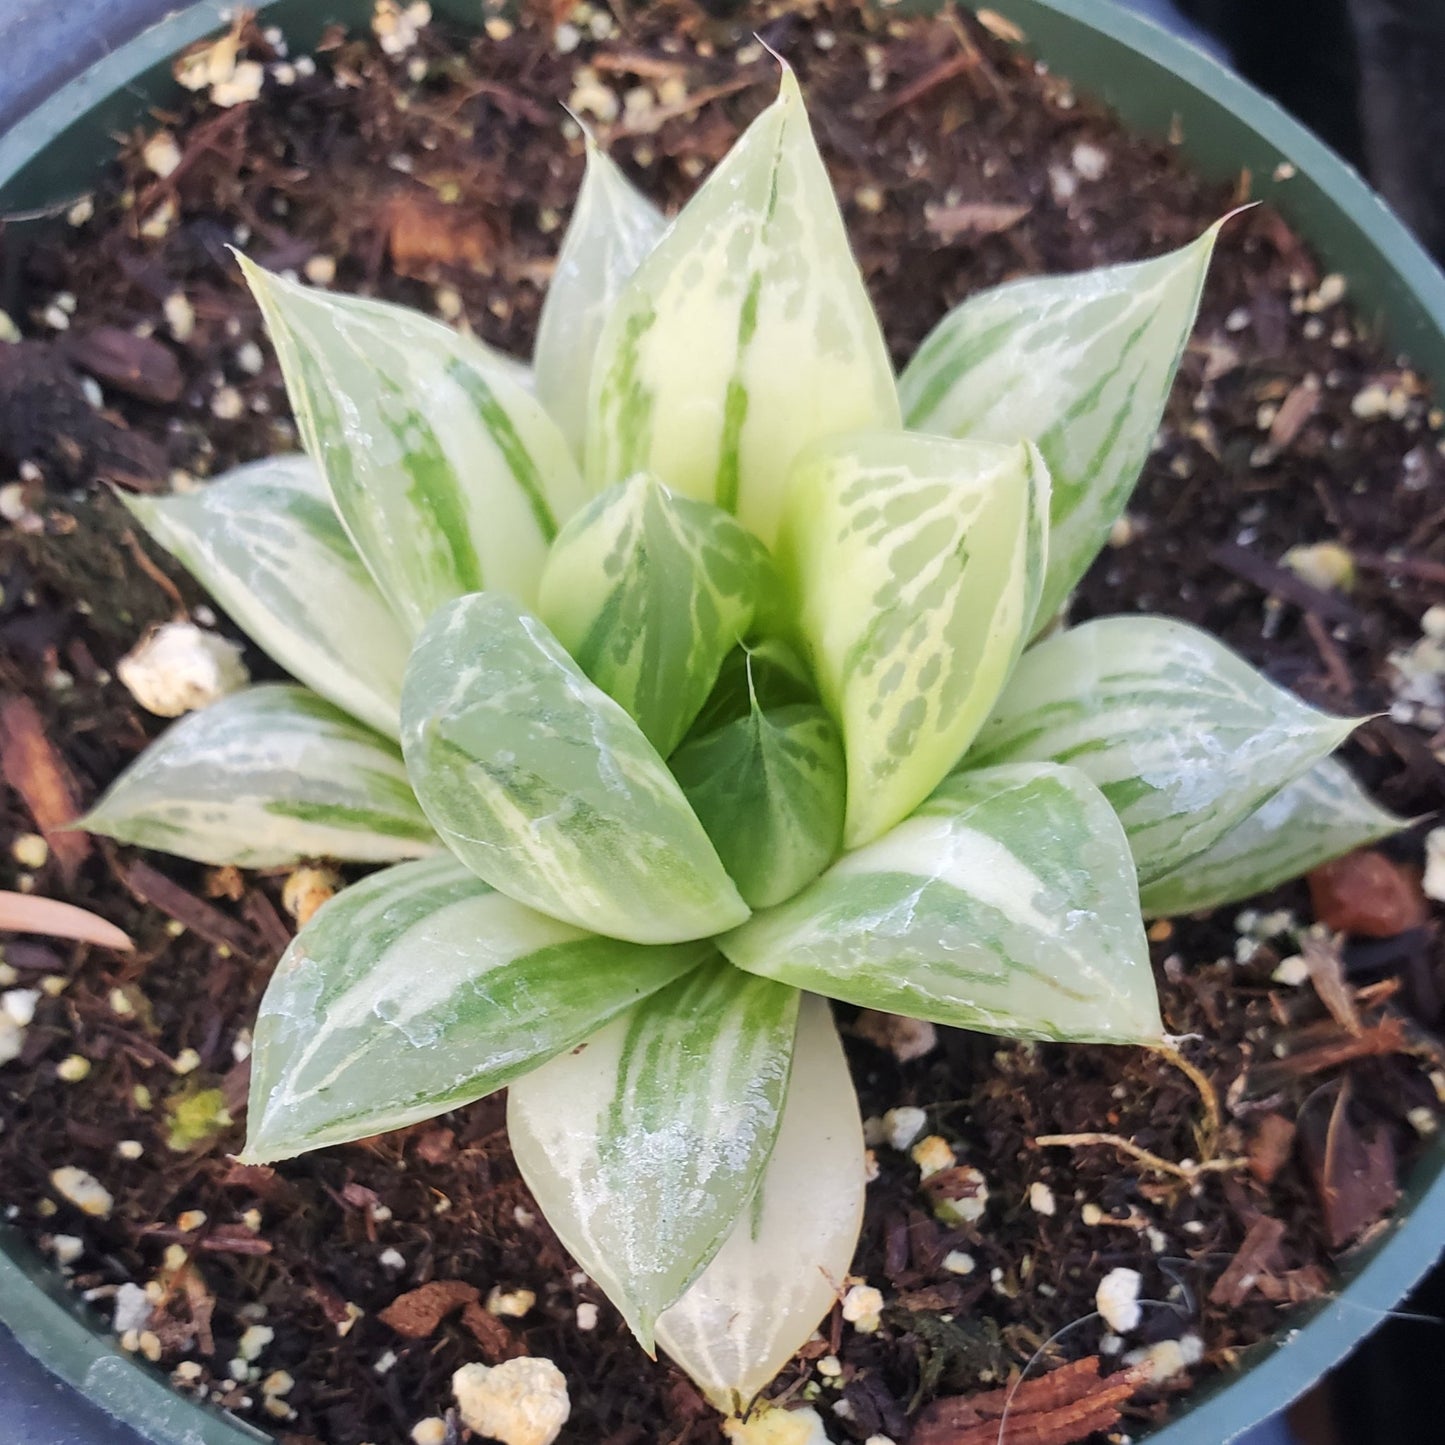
x: 694, y: 676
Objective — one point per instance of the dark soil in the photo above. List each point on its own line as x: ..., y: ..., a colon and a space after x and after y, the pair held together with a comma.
x: 442, y: 182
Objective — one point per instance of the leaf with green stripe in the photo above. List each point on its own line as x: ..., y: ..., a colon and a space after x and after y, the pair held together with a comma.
x: 649, y: 591
x: 1082, y: 366
x: 770, y: 790
x: 1318, y: 817
x: 446, y: 471
x: 542, y: 785
x: 613, y: 227
x: 646, y: 1144
x: 1006, y: 903
x: 262, y: 779
x: 915, y: 564
x: 264, y: 541
x: 744, y: 336
x: 784, y: 1265
x: 1183, y: 736
x: 419, y: 989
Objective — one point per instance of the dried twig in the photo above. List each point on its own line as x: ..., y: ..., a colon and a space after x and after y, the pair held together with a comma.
x: 1188, y: 1171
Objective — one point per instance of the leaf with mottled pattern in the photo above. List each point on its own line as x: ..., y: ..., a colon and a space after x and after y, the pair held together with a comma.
x: 542, y: 785
x: 419, y: 989
x: 915, y: 564
x: 263, y: 778
x: 645, y: 1145
x: 744, y: 336
x: 649, y: 591
x: 264, y: 541
x: 767, y: 672
x: 613, y: 227
x: 1183, y: 736
x: 1006, y: 903
x: 784, y: 1265
x: 444, y: 468
x: 1081, y: 365
x: 770, y: 790
x: 1316, y: 818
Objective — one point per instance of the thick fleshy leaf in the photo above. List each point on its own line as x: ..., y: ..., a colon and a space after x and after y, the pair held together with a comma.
x: 645, y: 1145
x: 1081, y: 365
x: 543, y: 786
x: 613, y: 227
x: 1007, y: 902
x: 767, y: 672
x: 1184, y: 737
x: 264, y: 778
x: 783, y: 1266
x: 1316, y: 818
x: 915, y: 564
x: 649, y: 591
x: 264, y: 541
x: 744, y: 336
x: 446, y: 471
x: 418, y: 989
x: 770, y: 789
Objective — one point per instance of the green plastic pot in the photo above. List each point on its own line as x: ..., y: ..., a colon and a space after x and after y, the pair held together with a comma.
x: 1158, y: 84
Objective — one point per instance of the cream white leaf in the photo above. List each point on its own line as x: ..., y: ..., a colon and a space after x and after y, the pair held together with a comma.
x: 263, y: 778
x: 645, y: 1145
x: 264, y: 541
x: 1316, y: 818
x: 1079, y: 364
x: 649, y: 591
x: 541, y: 784
x: 419, y: 989
x: 613, y: 227
x: 1183, y: 736
x: 445, y: 470
x: 744, y: 336
x: 1007, y: 903
x: 915, y: 565
x: 783, y: 1266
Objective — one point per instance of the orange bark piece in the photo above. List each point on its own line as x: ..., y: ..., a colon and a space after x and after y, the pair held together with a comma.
x: 39, y: 774
x: 1366, y: 894
x: 417, y: 1313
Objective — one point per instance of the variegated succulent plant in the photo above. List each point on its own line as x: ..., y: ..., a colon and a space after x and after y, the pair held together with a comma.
x: 710, y: 649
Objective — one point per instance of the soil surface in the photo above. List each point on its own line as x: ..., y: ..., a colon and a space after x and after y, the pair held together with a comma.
x: 441, y: 177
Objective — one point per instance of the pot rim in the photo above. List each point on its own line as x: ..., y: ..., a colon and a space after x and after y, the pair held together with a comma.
x: 1155, y: 81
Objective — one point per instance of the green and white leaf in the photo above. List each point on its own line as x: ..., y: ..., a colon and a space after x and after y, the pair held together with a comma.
x: 645, y: 1145
x: 1183, y: 736
x: 1079, y: 364
x: 784, y: 1264
x: 746, y: 335
x: 769, y: 789
x: 542, y: 785
x: 1317, y: 818
x: 613, y: 227
x: 1006, y: 903
x: 420, y: 989
x: 649, y: 591
x: 264, y: 541
x: 264, y: 778
x: 446, y: 471
x: 915, y: 564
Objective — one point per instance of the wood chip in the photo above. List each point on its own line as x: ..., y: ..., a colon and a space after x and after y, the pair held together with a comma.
x: 25, y: 913
x: 139, y: 365
x: 1062, y: 1407
x: 1354, y: 1171
x: 1327, y: 974
x: 972, y: 218
x: 494, y: 1340
x: 1294, y: 411
x: 150, y: 885
x: 1367, y: 894
x: 1270, y: 1147
x: 419, y: 1312
x: 1252, y: 1259
x: 1280, y: 582
x: 36, y: 771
